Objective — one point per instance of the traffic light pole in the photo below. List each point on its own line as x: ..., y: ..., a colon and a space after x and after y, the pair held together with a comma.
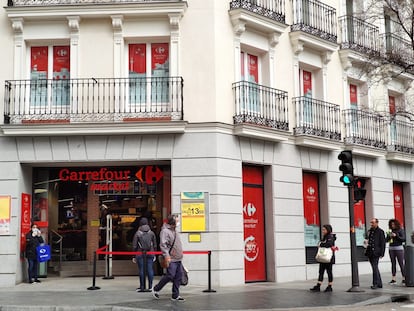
x: 354, y: 261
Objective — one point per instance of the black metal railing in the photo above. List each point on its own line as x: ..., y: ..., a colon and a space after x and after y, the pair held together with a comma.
x: 397, y: 50
x: 316, y: 18
x: 365, y: 128
x: 260, y: 105
x: 273, y: 9
x: 401, y: 135
x: 77, y: 2
x: 317, y: 118
x: 93, y: 100
x: 359, y: 35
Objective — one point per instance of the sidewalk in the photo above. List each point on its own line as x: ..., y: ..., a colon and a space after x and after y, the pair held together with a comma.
x: 118, y: 294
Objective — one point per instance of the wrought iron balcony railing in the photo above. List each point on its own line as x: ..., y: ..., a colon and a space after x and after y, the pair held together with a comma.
x: 93, y: 100
x: 317, y: 118
x: 260, y: 105
x: 401, y: 135
x: 315, y: 18
x: 77, y: 2
x: 359, y: 35
x: 273, y: 9
x: 397, y: 50
x: 365, y: 128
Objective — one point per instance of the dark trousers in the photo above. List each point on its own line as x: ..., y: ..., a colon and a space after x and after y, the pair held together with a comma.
x: 149, y: 271
x: 394, y: 256
x: 376, y: 276
x: 32, y: 269
x: 174, y: 274
x: 328, y: 268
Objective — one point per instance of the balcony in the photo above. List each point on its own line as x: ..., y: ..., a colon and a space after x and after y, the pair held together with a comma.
x: 397, y: 51
x: 272, y: 9
x: 93, y: 101
x: 365, y: 132
x: 316, y: 19
x: 359, y: 36
x: 260, y: 110
x: 401, y: 138
x: 318, y: 123
x: 22, y: 3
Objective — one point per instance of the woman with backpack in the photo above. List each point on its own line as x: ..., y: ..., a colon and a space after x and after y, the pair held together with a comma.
x: 144, y: 241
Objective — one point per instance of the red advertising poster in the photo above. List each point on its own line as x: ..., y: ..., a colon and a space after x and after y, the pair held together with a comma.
x: 253, y: 68
x: 359, y: 214
x: 311, y: 198
x: 391, y: 101
x: 254, y: 229
x: 39, y: 61
x: 398, y: 203
x: 25, y: 220
x: 61, y: 62
x: 353, y: 94
x: 307, y: 83
x: 137, y: 58
x: 159, y: 59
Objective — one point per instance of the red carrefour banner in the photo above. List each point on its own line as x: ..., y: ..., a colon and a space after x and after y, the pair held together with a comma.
x: 311, y: 208
x: 61, y: 62
x: 160, y: 56
x: 254, y: 230
x: 39, y: 60
x: 307, y: 83
x: 391, y: 101
x: 137, y: 58
x: 398, y: 202
x: 25, y: 219
x: 353, y: 94
x: 253, y: 68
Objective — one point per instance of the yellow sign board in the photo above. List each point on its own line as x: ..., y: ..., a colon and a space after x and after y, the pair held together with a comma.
x: 5, y: 205
x: 194, y: 237
x: 193, y: 212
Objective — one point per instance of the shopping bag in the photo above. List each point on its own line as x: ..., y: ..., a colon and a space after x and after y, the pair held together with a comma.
x: 43, y: 253
x: 324, y: 254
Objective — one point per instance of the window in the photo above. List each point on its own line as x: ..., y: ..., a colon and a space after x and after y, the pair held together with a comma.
x: 306, y: 91
x: 311, y: 212
x: 49, y: 75
x: 149, y: 72
x: 250, y: 95
x: 398, y: 202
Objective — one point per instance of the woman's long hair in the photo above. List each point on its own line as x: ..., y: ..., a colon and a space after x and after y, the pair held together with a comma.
x: 395, y: 222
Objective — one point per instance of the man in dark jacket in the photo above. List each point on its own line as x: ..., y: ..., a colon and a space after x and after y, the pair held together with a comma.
x: 375, y: 250
x: 144, y: 241
x: 33, y: 240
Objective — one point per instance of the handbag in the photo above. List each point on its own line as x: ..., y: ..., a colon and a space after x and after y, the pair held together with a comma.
x: 184, y: 275
x: 163, y: 263
x: 43, y: 253
x: 324, y: 254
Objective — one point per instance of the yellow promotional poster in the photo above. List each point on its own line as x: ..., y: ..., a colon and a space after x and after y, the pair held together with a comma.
x: 193, y: 212
x: 5, y: 203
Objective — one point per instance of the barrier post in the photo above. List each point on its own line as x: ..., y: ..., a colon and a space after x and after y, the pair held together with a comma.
x: 209, y: 290
x: 93, y: 287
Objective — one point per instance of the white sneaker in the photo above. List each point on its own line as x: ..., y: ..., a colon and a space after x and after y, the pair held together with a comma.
x: 179, y: 298
x: 155, y: 294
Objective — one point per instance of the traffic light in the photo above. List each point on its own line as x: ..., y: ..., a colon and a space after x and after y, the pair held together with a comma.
x: 359, y: 191
x: 346, y: 168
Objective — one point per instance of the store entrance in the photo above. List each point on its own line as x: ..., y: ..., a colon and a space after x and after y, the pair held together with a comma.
x: 71, y: 205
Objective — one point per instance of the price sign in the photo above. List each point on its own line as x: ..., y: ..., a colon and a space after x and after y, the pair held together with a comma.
x: 193, y: 212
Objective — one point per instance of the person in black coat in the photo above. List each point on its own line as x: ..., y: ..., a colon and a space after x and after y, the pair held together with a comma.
x: 375, y: 250
x: 33, y: 240
x: 396, y: 238
x: 328, y: 240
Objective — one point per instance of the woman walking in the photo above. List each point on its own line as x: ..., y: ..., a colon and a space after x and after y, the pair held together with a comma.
x: 328, y: 240
x: 396, y: 238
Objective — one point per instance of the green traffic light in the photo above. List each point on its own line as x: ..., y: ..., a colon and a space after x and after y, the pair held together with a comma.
x: 346, y: 180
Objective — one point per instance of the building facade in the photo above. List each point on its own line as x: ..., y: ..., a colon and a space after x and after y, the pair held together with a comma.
x: 230, y: 114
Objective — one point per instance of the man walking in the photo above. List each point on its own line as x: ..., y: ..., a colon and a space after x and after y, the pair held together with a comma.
x: 375, y: 250
x: 172, y: 250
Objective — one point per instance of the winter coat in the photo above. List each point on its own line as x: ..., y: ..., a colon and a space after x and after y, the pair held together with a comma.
x: 329, y: 241
x: 137, y: 241
x: 397, y: 240
x: 376, y: 243
x: 167, y: 236
x: 31, y: 243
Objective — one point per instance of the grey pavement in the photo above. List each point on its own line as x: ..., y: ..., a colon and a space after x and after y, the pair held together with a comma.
x: 118, y: 294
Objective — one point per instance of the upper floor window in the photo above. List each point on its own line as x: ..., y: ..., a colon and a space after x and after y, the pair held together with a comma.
x: 249, y: 67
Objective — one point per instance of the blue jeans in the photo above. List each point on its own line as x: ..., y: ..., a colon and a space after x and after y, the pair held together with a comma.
x: 174, y: 274
x: 32, y: 269
x: 149, y: 270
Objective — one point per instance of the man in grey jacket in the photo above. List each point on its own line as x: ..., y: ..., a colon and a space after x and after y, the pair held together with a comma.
x: 172, y: 250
